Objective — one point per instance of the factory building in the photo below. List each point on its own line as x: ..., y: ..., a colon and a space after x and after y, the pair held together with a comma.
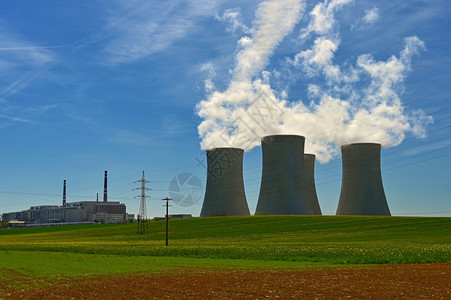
x: 84, y: 211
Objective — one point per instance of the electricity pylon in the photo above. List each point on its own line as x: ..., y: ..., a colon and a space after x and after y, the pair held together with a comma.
x: 143, y: 227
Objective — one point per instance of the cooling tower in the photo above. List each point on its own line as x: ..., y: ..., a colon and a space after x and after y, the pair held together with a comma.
x: 309, y: 182
x: 224, y: 194
x: 281, y: 189
x: 362, y: 192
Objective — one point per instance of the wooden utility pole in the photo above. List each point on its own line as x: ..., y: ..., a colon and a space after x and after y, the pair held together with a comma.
x: 167, y: 217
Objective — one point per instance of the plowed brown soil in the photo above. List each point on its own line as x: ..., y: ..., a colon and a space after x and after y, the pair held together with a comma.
x: 409, y: 281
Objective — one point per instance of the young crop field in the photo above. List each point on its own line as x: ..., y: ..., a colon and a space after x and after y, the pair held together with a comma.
x: 325, y: 239
x: 253, y: 242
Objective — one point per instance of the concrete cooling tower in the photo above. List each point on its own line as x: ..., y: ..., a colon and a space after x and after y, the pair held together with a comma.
x: 224, y: 194
x: 281, y: 189
x: 362, y: 192
x: 309, y: 182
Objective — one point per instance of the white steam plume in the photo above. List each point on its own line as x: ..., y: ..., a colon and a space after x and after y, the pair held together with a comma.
x: 340, y: 110
x: 223, y: 111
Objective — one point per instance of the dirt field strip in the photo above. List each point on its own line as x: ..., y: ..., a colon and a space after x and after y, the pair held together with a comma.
x: 408, y: 281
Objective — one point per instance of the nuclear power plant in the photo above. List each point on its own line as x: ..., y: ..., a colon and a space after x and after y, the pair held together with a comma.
x: 224, y: 193
x: 288, y: 180
x: 287, y: 186
x: 309, y: 182
x: 73, y: 212
x: 283, y: 185
x: 362, y: 192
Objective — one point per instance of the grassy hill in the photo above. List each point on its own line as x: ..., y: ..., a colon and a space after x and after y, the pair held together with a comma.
x: 317, y: 239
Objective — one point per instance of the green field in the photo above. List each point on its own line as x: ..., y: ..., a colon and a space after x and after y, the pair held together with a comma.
x: 238, y: 242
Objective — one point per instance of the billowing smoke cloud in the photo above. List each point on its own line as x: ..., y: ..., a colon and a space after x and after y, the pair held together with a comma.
x: 228, y: 116
x: 339, y: 110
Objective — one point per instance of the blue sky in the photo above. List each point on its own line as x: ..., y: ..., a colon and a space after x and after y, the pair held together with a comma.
x: 116, y: 85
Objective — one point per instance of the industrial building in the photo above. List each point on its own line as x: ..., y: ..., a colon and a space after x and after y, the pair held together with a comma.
x: 224, y: 193
x: 283, y: 189
x: 83, y: 211
x: 362, y: 191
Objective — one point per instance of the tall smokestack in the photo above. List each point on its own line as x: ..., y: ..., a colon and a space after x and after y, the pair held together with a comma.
x: 362, y: 192
x: 281, y: 189
x: 105, y: 189
x: 64, y: 193
x: 309, y: 167
x: 224, y: 193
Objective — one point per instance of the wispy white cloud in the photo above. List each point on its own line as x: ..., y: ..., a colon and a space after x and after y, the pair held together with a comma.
x: 16, y: 51
x: 232, y: 17
x: 322, y: 17
x: 139, y: 28
x: 128, y: 137
x: 371, y: 16
x: 21, y: 60
x: 174, y: 126
x: 418, y: 121
x: 210, y: 70
x: 11, y: 115
x: 21, y: 82
x: 427, y: 148
x: 319, y: 58
x: 28, y: 48
x: 266, y: 35
x: 116, y: 135
x: 21, y: 63
x: 17, y: 119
